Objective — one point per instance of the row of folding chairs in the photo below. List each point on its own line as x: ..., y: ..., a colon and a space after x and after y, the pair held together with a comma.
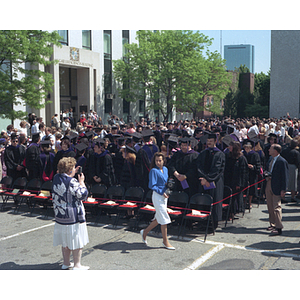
x: 115, y: 200
x: 182, y: 209
x: 23, y: 191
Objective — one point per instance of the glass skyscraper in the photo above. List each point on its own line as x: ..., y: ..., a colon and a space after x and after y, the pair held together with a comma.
x: 237, y: 55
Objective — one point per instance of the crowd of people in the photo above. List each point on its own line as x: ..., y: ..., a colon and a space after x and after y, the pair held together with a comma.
x: 200, y: 156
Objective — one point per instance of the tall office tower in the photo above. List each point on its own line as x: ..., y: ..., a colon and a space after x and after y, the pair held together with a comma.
x: 237, y: 55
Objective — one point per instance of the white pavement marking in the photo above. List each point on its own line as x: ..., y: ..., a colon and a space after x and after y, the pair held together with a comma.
x: 26, y: 231
x: 202, y: 259
x: 219, y: 246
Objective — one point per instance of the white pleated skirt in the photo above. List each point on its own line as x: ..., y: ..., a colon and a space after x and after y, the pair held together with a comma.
x: 73, y: 236
x: 160, y: 205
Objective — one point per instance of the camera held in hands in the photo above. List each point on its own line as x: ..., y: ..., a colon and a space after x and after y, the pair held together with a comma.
x: 79, y: 170
x: 170, y: 185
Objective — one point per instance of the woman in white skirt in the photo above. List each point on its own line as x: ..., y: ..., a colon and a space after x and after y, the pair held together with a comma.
x: 158, y: 177
x: 70, y: 229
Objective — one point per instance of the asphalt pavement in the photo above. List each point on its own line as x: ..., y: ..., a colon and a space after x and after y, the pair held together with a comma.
x: 244, y: 244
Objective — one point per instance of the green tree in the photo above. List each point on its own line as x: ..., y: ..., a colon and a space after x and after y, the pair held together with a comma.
x: 155, y: 68
x: 207, y: 76
x: 20, y: 84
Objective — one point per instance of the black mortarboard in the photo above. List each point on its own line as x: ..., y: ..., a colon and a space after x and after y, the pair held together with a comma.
x: 212, y: 136
x: 45, y: 143
x: 66, y: 137
x: 251, y: 135
x: 89, y: 134
x: 147, y: 132
x: 129, y: 149
x: 247, y: 142
x: 227, y: 139
x: 136, y: 136
x: 184, y: 140
x: 99, y: 141
x: 80, y: 147
x: 173, y: 139
x: 203, y: 138
x: 35, y: 135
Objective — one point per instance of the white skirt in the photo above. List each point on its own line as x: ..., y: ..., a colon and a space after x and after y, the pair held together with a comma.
x: 160, y: 205
x: 73, y: 236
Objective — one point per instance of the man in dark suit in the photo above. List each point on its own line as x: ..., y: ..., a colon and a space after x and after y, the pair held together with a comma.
x: 277, y: 182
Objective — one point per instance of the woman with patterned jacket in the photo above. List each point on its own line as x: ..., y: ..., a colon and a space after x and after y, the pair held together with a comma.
x: 70, y: 229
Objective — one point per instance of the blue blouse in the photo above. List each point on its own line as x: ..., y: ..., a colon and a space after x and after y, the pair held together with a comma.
x: 158, y: 180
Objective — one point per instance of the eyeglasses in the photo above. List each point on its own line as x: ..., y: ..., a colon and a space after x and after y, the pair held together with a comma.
x: 15, y: 141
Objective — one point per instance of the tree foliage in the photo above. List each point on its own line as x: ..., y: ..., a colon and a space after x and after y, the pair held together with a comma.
x: 21, y: 80
x: 170, y: 65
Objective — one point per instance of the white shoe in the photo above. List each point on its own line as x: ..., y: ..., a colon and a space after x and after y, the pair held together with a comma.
x: 64, y: 267
x: 81, y: 268
x: 169, y: 248
x: 142, y: 233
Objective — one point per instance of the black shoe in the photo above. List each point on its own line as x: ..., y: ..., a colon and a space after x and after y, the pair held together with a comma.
x: 276, y: 231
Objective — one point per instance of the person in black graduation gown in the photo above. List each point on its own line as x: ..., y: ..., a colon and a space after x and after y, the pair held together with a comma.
x: 66, y: 151
x: 143, y: 160
x: 210, y: 165
x: 101, y: 168
x: 128, y: 175
x: 46, y: 158
x: 32, y: 158
x: 254, y: 166
x: 13, y: 157
x: 236, y: 174
x: 180, y: 166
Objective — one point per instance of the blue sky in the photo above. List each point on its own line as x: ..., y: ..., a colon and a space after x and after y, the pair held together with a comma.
x: 261, y: 39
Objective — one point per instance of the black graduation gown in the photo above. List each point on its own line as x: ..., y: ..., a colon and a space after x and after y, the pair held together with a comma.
x: 14, y: 156
x: 182, y: 163
x: 101, y: 165
x: 142, y: 169
x: 59, y: 155
x: 210, y: 165
x: 253, y: 159
x: 32, y: 161
x: 236, y: 173
x: 128, y: 176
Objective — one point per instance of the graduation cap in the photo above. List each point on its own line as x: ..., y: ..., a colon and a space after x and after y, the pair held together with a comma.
x: 252, y: 135
x: 212, y: 136
x: 99, y: 141
x: 97, y: 129
x: 66, y: 137
x: 136, y: 136
x: 81, y: 147
x: 89, y: 134
x: 2, y: 141
x: 203, y: 138
x: 184, y: 140
x: 35, y: 135
x: 227, y: 139
x: 173, y: 139
x: 248, y: 142
x: 193, y: 142
x: 116, y: 136
x: 147, y: 132
x: 45, y: 143
x: 131, y: 150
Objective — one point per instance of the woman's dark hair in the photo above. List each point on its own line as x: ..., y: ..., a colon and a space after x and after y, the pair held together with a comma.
x: 236, y: 149
x: 156, y: 154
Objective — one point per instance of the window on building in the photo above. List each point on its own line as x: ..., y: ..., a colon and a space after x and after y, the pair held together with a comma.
x: 64, y: 37
x: 68, y: 82
x: 86, y: 39
x: 142, y: 106
x: 125, y: 40
x: 207, y: 101
x: 107, y: 71
x: 107, y: 44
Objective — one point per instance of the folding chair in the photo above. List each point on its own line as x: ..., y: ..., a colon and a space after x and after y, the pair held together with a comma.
x: 31, y: 190
x: 18, y: 185
x: 146, y: 211
x: 96, y: 191
x: 200, y: 210
x: 114, y: 192
x: 177, y: 204
x: 135, y: 196
x: 44, y: 200
x: 227, y: 205
x: 6, y: 183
